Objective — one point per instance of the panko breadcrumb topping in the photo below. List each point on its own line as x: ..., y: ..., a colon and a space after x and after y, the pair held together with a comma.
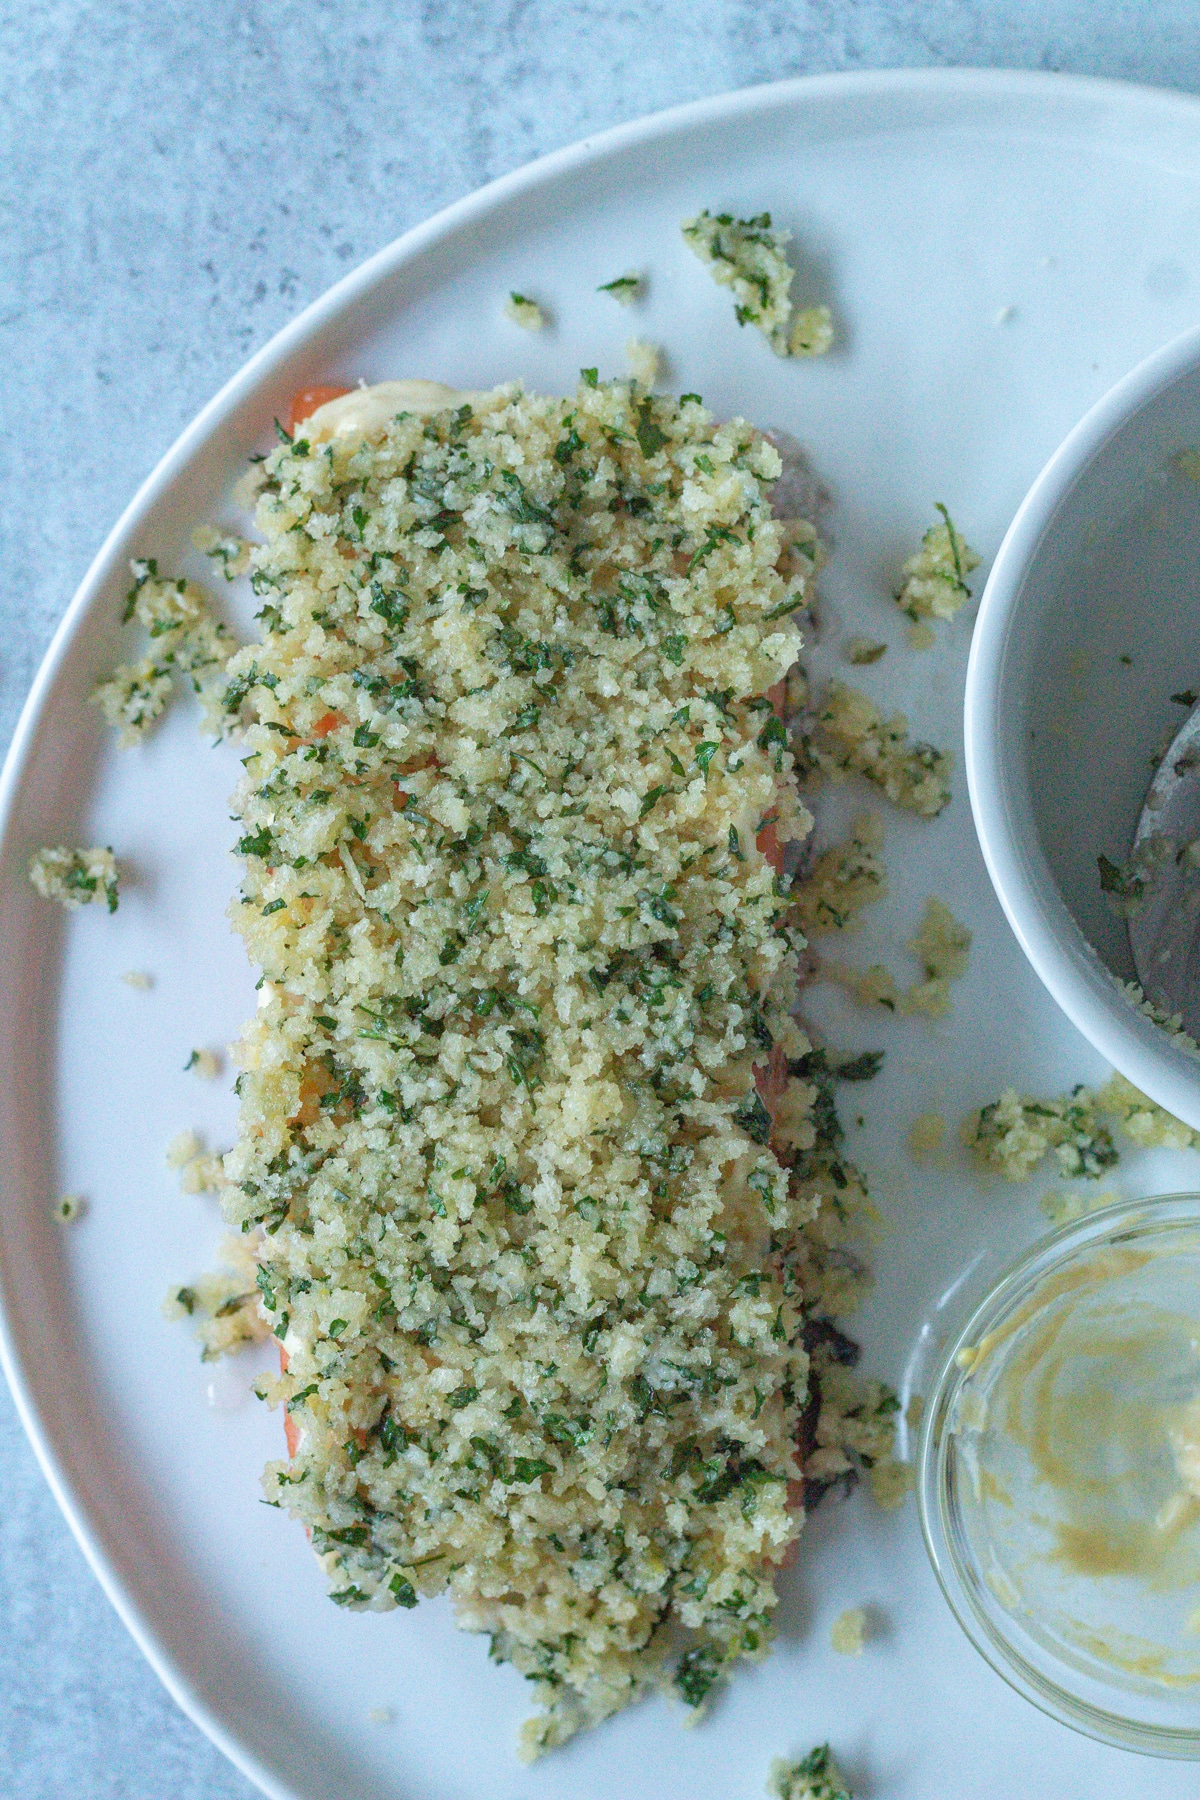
x: 1014, y: 1134
x: 847, y: 734
x: 625, y: 289
x: 184, y: 640
x: 525, y: 312
x: 843, y: 880
x: 815, y: 1777
x: 935, y: 579
x: 941, y: 945
x: 548, y: 1266
x: 848, y: 1633
x: 75, y: 878
x: 224, y: 1305
x: 750, y: 256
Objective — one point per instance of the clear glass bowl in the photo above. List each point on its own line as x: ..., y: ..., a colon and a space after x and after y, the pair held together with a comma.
x: 1059, y: 1475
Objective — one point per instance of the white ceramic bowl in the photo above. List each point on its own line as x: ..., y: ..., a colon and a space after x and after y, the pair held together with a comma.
x: 1089, y: 622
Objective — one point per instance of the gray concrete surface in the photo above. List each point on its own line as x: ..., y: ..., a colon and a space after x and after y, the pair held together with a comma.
x: 175, y: 182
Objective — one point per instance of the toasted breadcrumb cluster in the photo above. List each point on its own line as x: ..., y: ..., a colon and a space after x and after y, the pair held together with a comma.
x: 1012, y: 1135
x: 185, y: 639
x: 223, y: 1305
x: 935, y: 578
x: 847, y: 734
x: 941, y: 945
x: 75, y: 878
x: 815, y: 1777
x: 750, y: 257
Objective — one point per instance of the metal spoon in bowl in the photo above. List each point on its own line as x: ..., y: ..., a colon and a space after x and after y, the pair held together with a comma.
x: 1164, y: 928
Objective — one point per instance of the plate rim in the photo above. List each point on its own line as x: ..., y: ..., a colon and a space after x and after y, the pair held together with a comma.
x: 1007, y: 86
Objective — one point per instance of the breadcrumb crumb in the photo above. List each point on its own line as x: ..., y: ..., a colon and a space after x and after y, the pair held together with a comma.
x: 186, y: 640
x: 935, y: 579
x: 182, y: 1148
x: 75, y: 878
x: 139, y: 979
x: 811, y: 332
x: 1171, y: 1023
x: 941, y: 945
x: 1013, y: 1134
x: 206, y: 1063
x: 525, y: 312
x: 749, y: 256
x: 861, y: 651
x: 626, y: 289
x: 1061, y: 1208
x: 70, y: 1207
x: 849, y: 1632
x: 225, y: 548
x: 843, y: 880
x: 225, y: 1305
x: 1142, y: 1120
x: 815, y: 1777
x: 848, y: 734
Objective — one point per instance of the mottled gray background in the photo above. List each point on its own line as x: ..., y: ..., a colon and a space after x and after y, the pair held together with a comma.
x: 176, y: 181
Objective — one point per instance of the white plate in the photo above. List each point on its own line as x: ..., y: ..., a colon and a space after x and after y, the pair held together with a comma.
x: 925, y: 206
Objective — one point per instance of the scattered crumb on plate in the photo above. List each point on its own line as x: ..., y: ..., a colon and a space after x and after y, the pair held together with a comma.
x: 186, y: 640
x: 138, y: 978
x: 848, y: 735
x: 815, y: 1777
x: 525, y: 312
x: 1014, y: 1133
x: 935, y: 579
x: 225, y: 1304
x: 625, y: 289
x: 75, y: 877
x: 749, y: 256
x: 848, y: 1633
x: 1060, y: 1208
x: 182, y: 1148
x: 226, y: 548
x: 70, y: 1207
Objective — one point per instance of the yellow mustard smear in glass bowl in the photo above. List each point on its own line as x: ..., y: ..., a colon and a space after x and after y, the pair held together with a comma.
x: 1060, y: 1475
